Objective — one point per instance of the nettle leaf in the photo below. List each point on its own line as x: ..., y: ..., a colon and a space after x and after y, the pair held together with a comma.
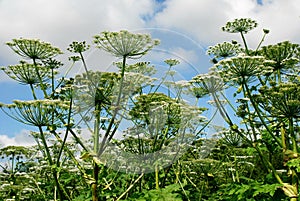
x: 266, y: 189
x: 169, y: 193
x: 294, y: 163
x: 244, y: 188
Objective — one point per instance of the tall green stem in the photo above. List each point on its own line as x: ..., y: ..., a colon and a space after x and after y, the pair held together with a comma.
x: 33, y: 92
x: 108, y: 134
x: 42, y: 85
x: 248, y: 108
x: 117, y: 105
x: 66, y: 134
x: 61, y: 193
x: 261, y: 41
x: 245, y: 43
x: 97, y: 128
x: 292, y: 134
x: 260, y: 116
x: 96, y: 148
x: 84, y: 64
x: 156, y: 177
x: 226, y: 117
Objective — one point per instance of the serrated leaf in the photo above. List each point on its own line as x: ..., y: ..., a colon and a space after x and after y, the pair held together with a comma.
x: 266, y: 189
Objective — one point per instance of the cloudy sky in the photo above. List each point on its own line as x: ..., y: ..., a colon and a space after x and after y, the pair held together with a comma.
x: 185, y: 27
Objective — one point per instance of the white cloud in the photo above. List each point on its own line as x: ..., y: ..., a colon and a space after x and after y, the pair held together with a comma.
x: 199, y: 18
x: 69, y: 19
x: 20, y: 139
x: 189, y: 56
x: 62, y: 21
x: 203, y: 19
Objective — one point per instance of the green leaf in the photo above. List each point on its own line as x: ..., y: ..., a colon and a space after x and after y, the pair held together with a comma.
x: 266, y: 189
x: 294, y: 163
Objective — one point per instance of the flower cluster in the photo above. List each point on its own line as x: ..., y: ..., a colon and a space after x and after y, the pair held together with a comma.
x: 25, y: 73
x: 172, y: 62
x: 140, y: 67
x: 165, y: 116
x: 242, y: 25
x: 285, y: 55
x: 124, y: 43
x: 37, y: 112
x: 94, y: 88
x: 135, y: 82
x: 242, y: 69
x: 224, y: 50
x: 282, y: 100
x: 153, y: 101
x: 207, y: 83
x: 52, y: 63
x: 33, y: 49
x: 78, y: 47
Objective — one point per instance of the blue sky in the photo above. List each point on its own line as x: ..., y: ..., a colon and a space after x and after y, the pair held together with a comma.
x: 260, y: 2
x: 185, y: 28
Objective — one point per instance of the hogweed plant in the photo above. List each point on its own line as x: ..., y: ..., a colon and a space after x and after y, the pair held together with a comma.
x: 108, y: 99
x: 267, y: 102
x: 94, y: 130
x: 109, y: 92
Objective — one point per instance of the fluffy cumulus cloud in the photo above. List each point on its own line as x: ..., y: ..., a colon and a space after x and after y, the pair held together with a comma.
x: 203, y: 19
x: 20, y: 139
x: 63, y: 21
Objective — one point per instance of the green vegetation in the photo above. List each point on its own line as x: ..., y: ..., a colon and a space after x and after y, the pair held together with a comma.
x: 164, y: 152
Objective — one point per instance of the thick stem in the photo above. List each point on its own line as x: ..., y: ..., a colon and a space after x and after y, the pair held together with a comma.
x: 261, y: 41
x: 13, y: 163
x: 95, y: 184
x: 96, y: 148
x: 283, y: 138
x: 257, y: 110
x: 245, y: 43
x: 292, y: 134
x: 84, y: 64
x: 156, y: 178
x: 279, y: 76
x: 249, y: 114
x: 52, y: 81
x: 112, y: 121
x: 42, y: 85
x: 61, y: 193
x: 97, y: 128
x: 66, y: 134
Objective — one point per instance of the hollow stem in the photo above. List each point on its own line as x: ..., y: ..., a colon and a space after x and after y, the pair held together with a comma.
x: 245, y: 43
